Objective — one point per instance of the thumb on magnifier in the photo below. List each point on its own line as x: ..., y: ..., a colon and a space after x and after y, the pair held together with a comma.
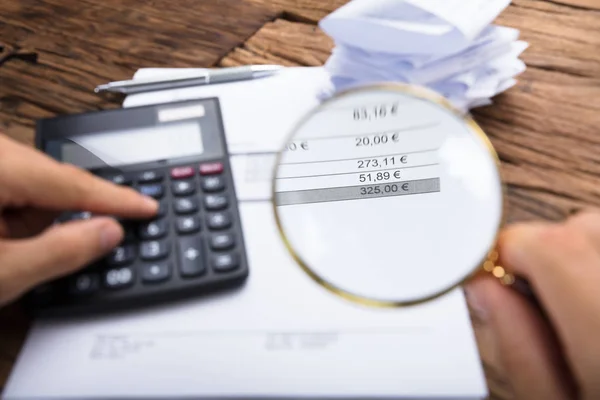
x: 525, y: 349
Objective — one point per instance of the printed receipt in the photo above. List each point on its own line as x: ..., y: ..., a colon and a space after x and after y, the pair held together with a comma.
x: 336, y: 159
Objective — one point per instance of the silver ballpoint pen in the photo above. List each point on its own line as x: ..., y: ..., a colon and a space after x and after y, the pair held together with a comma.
x: 204, y: 77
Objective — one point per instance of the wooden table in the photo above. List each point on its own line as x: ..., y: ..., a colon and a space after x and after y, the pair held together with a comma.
x: 546, y: 129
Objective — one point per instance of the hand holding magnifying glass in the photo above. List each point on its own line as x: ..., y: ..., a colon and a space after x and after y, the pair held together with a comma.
x: 387, y: 197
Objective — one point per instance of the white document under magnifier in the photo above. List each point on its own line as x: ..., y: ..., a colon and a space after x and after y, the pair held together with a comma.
x: 281, y: 336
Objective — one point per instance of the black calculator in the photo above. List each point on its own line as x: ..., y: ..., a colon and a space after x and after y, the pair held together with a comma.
x: 176, y: 153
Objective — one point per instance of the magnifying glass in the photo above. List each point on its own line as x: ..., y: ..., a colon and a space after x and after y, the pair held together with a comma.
x: 388, y: 196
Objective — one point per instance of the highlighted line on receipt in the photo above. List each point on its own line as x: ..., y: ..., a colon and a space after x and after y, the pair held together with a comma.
x: 331, y: 194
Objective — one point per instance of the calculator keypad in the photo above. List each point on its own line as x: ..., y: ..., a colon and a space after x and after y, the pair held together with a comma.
x: 194, y: 240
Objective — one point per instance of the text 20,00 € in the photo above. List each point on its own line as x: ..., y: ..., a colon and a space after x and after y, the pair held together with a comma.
x: 377, y: 139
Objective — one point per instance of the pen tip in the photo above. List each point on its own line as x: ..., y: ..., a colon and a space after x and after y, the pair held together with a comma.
x: 101, y: 88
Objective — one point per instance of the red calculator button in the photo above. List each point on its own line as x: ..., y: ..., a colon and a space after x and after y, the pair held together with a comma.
x: 182, y: 172
x: 211, y: 168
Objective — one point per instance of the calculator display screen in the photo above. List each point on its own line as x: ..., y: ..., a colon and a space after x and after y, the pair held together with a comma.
x: 132, y: 146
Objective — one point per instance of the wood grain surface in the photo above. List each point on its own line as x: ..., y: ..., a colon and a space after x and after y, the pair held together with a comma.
x: 98, y: 41
x: 546, y: 129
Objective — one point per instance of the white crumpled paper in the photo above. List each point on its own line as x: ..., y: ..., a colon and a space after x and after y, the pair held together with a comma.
x: 446, y: 45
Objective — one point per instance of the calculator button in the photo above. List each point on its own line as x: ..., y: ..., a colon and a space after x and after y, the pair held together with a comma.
x: 157, y: 190
x: 183, y: 188
x: 121, y: 255
x: 190, y: 254
x: 186, y: 205
x: 222, y: 241
x: 225, y: 262
x: 153, y: 230
x: 118, y: 278
x: 189, y: 224
x: 150, y: 176
x: 213, y: 184
x: 182, y: 172
x: 154, y: 250
x: 83, y: 284
x: 119, y: 179
x: 211, y: 168
x: 155, y: 273
x: 214, y: 202
x: 220, y: 220
x: 162, y: 208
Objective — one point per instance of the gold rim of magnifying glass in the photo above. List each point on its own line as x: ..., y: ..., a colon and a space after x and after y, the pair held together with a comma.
x: 487, y: 263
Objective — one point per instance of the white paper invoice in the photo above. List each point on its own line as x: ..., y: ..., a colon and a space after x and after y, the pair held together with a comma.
x: 280, y: 336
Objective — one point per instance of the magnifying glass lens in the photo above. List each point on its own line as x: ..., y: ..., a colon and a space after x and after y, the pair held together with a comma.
x: 385, y: 195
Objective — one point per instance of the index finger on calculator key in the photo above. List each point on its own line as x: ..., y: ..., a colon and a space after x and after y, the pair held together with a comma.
x: 76, y: 189
x: 30, y: 178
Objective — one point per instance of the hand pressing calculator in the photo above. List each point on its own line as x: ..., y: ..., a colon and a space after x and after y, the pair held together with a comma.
x: 177, y: 154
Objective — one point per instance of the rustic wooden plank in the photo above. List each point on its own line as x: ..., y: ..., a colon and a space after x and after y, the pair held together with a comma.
x: 585, y: 4
x: 288, y: 43
x: 189, y: 34
x: 310, y: 11
x: 545, y: 129
x: 560, y: 37
x: 81, y: 47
